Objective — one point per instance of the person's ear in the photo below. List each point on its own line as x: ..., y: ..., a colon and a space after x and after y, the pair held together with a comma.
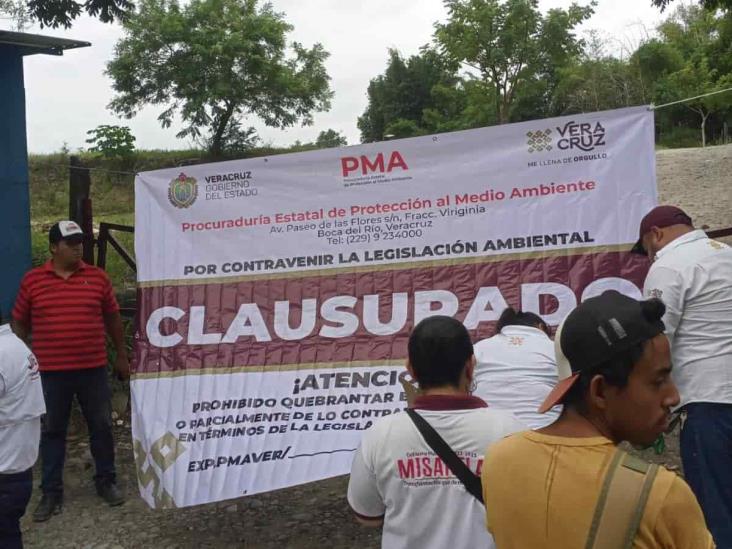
x: 658, y: 234
x: 597, y: 394
x: 470, y: 368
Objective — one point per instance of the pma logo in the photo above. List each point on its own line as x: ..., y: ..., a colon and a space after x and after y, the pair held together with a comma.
x: 183, y: 191
x: 540, y: 140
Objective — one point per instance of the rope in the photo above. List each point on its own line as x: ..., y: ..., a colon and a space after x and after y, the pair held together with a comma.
x: 656, y: 107
x: 70, y: 167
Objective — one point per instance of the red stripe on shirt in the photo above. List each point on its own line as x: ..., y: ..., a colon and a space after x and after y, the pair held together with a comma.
x: 66, y: 316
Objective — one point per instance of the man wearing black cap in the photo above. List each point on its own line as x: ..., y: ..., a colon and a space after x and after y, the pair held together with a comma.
x: 692, y: 275
x: 568, y: 485
x: 67, y: 306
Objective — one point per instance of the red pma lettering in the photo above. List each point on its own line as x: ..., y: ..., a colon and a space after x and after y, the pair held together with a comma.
x: 366, y: 165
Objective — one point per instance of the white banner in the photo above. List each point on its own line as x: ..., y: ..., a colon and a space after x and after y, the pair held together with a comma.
x: 277, y: 294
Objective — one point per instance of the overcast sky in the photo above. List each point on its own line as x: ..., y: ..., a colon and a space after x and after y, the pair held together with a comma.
x: 66, y: 96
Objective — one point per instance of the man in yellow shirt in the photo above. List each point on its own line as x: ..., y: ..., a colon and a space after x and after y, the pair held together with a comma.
x: 541, y: 487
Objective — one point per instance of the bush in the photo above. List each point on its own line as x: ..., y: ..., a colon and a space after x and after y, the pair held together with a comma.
x: 680, y: 137
x: 112, y: 141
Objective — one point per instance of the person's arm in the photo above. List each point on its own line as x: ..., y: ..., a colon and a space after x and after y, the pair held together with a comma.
x: 363, y: 494
x: 680, y: 523
x: 113, y: 323
x: 20, y: 322
x: 21, y: 329
x: 667, y: 285
x: 115, y: 329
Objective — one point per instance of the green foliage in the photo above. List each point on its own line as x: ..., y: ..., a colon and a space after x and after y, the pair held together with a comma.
x: 526, y: 65
x: 679, y: 137
x: 17, y: 12
x: 598, y: 81
x: 511, y: 45
x: 710, y: 5
x: 406, y: 91
x: 212, y: 62
x: 236, y: 140
x: 61, y: 13
x: 400, y: 128
x: 330, y: 138
x: 111, y: 141
x: 700, y: 39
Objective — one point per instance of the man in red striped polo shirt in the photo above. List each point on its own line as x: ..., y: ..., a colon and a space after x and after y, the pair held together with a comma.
x: 66, y: 306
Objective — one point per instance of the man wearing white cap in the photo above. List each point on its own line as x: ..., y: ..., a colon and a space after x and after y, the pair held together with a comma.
x: 67, y: 307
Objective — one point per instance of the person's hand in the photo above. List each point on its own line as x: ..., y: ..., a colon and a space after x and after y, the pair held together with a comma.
x: 122, y: 367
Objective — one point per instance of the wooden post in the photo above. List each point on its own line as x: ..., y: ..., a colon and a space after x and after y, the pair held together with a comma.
x: 80, y: 209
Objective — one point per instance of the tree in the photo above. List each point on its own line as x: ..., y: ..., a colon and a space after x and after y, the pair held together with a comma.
x: 509, y: 43
x: 699, y: 38
x: 329, y: 139
x: 598, y: 81
x: 213, y: 62
x: 404, y: 92
x: 17, y: 13
x: 61, y: 13
x: 694, y: 79
x: 111, y: 141
x: 710, y: 5
x: 654, y: 61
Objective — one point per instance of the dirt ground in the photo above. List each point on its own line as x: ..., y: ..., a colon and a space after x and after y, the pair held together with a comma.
x: 312, y: 515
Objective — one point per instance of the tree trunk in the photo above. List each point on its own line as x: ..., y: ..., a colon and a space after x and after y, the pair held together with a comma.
x: 703, y: 132
x: 217, y: 145
x: 498, y: 104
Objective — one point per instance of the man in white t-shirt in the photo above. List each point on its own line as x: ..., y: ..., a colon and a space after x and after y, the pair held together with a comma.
x: 397, y: 480
x: 517, y: 369
x: 21, y: 408
x: 692, y: 275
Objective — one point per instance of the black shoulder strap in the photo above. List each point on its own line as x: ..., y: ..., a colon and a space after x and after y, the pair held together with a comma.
x: 457, y: 466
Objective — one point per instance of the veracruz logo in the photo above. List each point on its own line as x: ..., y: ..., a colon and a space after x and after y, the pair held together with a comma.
x: 585, y: 137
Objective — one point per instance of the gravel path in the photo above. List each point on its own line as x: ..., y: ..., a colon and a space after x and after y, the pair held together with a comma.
x: 314, y: 515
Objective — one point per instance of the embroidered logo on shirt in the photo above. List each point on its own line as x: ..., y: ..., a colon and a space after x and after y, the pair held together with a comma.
x: 516, y: 340
x: 655, y: 292
x: 33, y: 367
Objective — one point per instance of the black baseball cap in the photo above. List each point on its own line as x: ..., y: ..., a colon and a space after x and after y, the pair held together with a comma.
x: 597, y: 330
x: 660, y: 216
x: 65, y: 230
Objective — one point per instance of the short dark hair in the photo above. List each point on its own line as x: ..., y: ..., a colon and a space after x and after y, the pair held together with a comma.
x: 615, y: 371
x: 439, y: 347
x: 512, y: 317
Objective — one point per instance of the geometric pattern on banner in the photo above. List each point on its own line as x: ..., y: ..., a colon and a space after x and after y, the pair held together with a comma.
x: 539, y: 140
x: 163, y: 453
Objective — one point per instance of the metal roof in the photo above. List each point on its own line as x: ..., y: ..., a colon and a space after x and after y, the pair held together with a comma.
x: 38, y: 43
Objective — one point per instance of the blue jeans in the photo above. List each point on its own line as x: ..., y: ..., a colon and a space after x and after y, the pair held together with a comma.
x: 15, y: 492
x: 91, y: 388
x: 706, y: 451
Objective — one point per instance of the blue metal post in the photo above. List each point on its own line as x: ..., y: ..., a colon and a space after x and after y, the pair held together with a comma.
x: 15, y: 244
